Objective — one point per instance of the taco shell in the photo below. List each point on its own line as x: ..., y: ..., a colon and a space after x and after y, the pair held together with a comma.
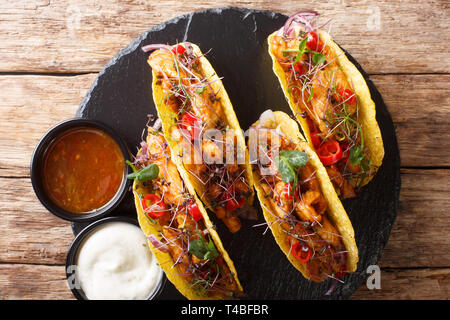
x: 165, y: 260
x: 169, y: 119
x: 336, y: 211
x: 367, y: 112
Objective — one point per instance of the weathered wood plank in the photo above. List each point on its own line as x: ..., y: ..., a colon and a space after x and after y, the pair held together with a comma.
x: 398, y: 284
x: 67, y: 36
x: 24, y: 282
x: 30, y: 105
x: 420, y: 108
x: 419, y: 237
x: 30, y: 234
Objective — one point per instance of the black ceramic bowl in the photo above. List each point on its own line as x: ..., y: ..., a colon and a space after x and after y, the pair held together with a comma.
x: 73, y: 253
x: 37, y: 162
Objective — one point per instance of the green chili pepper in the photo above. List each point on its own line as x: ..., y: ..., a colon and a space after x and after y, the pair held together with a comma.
x: 150, y: 172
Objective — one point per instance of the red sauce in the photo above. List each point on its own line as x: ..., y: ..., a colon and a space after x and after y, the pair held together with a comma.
x: 83, y: 170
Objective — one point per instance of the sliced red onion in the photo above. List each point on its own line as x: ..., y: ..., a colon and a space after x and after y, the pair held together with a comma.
x: 189, y: 49
x: 308, y: 14
x: 157, y: 125
x: 158, y: 244
x: 305, y: 22
x: 333, y: 286
x: 287, y: 26
x: 142, y: 157
x: 151, y: 47
x: 303, y: 18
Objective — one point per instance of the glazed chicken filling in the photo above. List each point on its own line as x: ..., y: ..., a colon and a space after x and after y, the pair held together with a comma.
x: 324, y: 97
x: 301, y: 209
x: 199, y: 110
x: 183, y: 231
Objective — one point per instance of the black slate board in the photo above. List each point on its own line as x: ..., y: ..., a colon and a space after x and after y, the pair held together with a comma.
x: 121, y: 97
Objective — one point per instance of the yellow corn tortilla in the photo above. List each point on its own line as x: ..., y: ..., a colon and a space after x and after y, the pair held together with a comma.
x: 336, y: 212
x: 372, y: 135
x: 165, y: 260
x: 169, y: 119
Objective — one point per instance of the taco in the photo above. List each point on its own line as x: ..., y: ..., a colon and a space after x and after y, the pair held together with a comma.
x: 299, y: 202
x: 331, y: 101
x: 180, y: 234
x: 201, y: 128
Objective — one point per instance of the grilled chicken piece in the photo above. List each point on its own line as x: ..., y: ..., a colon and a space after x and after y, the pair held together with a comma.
x: 170, y: 183
x: 162, y: 63
x: 206, y: 107
x: 185, y: 221
x: 346, y: 189
x: 310, y: 180
x: 177, y: 251
x: 328, y: 232
x: 232, y: 222
x: 311, y: 207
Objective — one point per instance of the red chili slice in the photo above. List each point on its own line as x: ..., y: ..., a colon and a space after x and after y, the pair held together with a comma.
x: 179, y: 49
x: 315, y: 139
x: 314, y: 42
x: 330, y: 153
x: 287, y: 191
x: 194, y: 211
x: 232, y: 203
x: 153, y: 206
x: 301, y: 252
x: 346, y: 95
x: 189, y: 123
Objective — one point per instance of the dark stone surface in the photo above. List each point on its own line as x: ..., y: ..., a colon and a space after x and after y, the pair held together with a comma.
x: 121, y: 97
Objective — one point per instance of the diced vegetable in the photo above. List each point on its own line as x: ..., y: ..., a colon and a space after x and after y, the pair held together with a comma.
x: 330, y: 153
x: 153, y: 206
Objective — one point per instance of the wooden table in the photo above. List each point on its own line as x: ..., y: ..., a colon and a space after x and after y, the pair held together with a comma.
x: 51, y: 53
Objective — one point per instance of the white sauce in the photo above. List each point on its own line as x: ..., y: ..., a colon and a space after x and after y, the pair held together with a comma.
x: 115, y: 262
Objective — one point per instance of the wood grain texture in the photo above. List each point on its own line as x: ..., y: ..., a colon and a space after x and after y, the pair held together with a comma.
x: 19, y: 281
x: 420, y: 108
x: 25, y: 282
x: 28, y: 232
x: 423, y: 284
x: 419, y: 237
x: 31, y: 104
x: 67, y: 36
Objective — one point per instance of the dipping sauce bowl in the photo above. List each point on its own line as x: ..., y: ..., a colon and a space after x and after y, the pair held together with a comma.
x: 110, y: 259
x: 78, y: 170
